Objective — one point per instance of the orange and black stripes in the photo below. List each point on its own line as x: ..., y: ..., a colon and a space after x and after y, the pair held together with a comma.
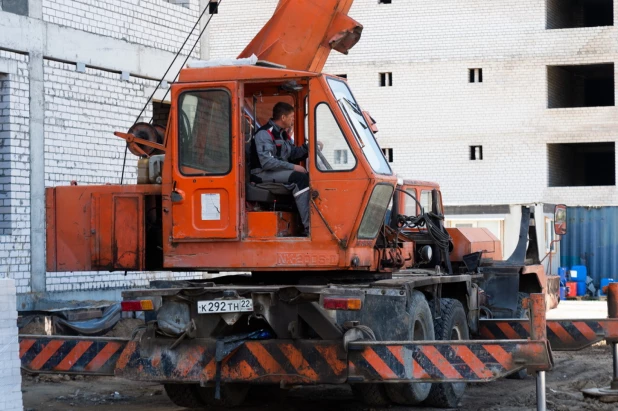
x: 299, y: 362
x: 85, y: 356
x: 276, y: 361
x: 563, y: 335
x: 469, y: 361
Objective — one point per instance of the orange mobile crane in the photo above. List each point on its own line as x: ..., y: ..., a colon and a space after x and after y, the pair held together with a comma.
x: 334, y: 307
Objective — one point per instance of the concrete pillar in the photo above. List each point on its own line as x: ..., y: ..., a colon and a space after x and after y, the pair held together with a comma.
x: 37, y: 157
x: 205, y: 40
x: 10, y: 375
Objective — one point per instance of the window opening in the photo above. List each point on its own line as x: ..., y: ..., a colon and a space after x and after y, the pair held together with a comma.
x: 475, y: 75
x: 386, y: 79
x: 590, y: 85
x: 567, y: 14
x: 581, y: 164
x: 476, y: 152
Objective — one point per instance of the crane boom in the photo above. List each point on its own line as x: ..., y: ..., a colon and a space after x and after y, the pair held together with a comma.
x: 301, y: 34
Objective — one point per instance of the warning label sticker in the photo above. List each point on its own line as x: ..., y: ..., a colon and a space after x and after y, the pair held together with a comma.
x: 211, y: 207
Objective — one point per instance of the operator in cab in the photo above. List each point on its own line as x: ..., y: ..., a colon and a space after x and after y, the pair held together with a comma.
x: 273, y: 155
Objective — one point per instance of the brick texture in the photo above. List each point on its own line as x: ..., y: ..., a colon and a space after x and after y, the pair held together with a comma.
x: 15, y: 173
x: 155, y: 23
x: 10, y: 375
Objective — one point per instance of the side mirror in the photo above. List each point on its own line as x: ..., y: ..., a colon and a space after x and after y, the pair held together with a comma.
x: 560, y: 219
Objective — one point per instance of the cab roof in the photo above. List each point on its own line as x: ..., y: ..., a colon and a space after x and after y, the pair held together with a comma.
x: 247, y: 73
x: 421, y: 183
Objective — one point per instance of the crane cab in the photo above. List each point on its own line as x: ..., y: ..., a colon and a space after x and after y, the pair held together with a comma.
x: 212, y: 213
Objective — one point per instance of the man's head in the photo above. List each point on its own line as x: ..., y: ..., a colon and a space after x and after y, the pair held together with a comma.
x: 283, y: 115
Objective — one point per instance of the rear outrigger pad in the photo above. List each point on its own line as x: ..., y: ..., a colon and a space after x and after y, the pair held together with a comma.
x: 606, y: 394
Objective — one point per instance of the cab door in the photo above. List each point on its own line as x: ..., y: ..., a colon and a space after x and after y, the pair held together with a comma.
x: 205, y: 190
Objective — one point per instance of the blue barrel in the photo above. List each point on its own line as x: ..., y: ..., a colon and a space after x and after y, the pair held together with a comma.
x: 579, y: 273
x: 562, y: 293
x: 581, y: 288
x: 604, y: 282
x: 562, y: 272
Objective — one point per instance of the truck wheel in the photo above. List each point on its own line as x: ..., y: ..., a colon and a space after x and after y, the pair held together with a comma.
x: 452, y: 325
x: 521, y: 313
x: 184, y: 395
x: 422, y: 329
x: 232, y: 395
x: 371, y: 394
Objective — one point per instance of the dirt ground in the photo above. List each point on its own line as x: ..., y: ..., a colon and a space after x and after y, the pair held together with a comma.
x: 591, y: 367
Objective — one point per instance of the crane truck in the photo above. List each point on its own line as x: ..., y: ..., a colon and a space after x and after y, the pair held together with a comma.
x: 346, y: 304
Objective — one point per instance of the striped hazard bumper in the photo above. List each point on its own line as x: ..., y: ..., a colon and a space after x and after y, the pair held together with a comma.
x: 563, y: 335
x: 67, y: 355
x: 287, y: 361
x: 434, y: 361
x: 266, y: 361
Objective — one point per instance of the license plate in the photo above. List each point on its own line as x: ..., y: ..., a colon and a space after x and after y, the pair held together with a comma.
x: 225, y: 306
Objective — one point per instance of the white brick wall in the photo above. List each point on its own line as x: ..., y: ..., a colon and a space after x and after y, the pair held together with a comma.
x: 156, y: 23
x: 87, y: 281
x: 10, y: 376
x: 432, y: 114
x: 14, y: 171
x: 82, y: 112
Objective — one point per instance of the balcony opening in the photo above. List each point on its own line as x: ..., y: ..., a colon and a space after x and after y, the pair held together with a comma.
x: 569, y: 14
x: 581, y: 164
x: 589, y: 85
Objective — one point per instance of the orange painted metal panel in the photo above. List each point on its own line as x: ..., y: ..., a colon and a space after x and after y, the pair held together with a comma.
x: 468, y: 240
x: 272, y: 224
x: 81, y: 221
x: 261, y: 224
x: 128, y: 246
x: 117, y: 228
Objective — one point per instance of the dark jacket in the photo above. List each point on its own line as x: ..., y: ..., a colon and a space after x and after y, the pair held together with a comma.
x: 272, y: 149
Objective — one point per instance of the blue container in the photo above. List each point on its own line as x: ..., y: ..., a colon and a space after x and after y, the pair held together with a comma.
x: 562, y: 293
x: 579, y: 273
x: 581, y: 288
x: 562, y: 272
x: 604, y: 282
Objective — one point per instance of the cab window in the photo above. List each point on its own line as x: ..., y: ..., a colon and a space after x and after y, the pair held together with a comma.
x: 427, y: 203
x: 410, y: 205
x: 335, y: 154
x: 205, y: 133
